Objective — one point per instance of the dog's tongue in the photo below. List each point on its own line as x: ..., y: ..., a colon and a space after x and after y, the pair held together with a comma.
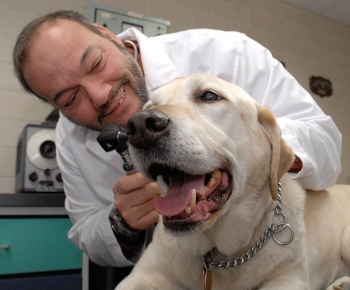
x: 179, y: 194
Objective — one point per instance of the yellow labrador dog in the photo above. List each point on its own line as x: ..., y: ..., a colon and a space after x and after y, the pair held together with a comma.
x: 231, y: 218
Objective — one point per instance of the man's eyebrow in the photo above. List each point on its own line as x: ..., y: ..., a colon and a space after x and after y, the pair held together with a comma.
x: 82, y: 61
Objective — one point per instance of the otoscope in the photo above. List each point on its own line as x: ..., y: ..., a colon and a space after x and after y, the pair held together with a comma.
x: 113, y: 137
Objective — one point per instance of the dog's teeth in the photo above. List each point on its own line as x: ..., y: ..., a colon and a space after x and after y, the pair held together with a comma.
x: 216, y: 174
x: 188, y: 210
x: 212, y: 181
x: 162, y: 185
x: 206, y: 188
x: 193, y: 198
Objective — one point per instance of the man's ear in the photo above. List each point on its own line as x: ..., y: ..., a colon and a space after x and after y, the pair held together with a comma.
x: 108, y: 33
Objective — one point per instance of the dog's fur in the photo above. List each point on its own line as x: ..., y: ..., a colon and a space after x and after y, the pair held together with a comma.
x: 228, y: 130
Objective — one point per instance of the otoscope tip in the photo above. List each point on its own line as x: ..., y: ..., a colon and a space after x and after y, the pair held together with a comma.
x: 122, y: 137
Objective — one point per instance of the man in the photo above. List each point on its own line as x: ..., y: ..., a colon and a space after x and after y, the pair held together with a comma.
x: 91, y: 76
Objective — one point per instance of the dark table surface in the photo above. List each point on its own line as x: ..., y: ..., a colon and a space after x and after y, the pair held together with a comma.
x: 32, y: 199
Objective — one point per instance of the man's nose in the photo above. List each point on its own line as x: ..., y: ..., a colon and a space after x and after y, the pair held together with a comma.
x: 98, y: 92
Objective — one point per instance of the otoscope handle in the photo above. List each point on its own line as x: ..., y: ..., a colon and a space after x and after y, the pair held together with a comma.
x: 128, y: 164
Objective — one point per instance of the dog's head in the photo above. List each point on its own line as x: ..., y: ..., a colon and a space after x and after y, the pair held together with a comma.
x: 205, y: 142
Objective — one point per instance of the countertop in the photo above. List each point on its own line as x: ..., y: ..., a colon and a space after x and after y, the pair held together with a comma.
x: 32, y: 199
x: 32, y: 204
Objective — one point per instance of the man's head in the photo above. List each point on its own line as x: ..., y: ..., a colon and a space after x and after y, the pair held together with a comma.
x: 82, y: 70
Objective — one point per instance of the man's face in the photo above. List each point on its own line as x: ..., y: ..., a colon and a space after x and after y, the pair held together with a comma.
x: 86, y: 76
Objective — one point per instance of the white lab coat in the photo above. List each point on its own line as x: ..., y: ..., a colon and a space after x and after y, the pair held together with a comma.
x: 89, y: 172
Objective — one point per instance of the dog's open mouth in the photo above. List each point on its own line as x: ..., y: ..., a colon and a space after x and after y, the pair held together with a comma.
x: 188, y: 199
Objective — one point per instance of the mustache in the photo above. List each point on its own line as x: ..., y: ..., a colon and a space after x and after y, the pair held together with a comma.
x: 110, y: 101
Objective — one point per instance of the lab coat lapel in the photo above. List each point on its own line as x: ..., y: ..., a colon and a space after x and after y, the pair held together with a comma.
x: 157, y: 66
x: 112, y: 157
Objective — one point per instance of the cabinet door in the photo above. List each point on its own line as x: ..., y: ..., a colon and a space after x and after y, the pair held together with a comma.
x: 36, y: 245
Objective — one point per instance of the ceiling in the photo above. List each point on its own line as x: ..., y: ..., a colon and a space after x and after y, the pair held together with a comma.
x: 338, y: 10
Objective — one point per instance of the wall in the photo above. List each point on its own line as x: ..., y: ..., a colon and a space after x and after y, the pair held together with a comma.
x: 308, y: 44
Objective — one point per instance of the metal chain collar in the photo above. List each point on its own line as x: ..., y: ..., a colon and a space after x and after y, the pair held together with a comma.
x: 208, y: 261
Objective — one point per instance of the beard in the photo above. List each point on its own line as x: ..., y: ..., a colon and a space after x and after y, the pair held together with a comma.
x: 137, y: 84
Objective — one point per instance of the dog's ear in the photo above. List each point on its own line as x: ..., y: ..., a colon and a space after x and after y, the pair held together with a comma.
x: 282, y: 156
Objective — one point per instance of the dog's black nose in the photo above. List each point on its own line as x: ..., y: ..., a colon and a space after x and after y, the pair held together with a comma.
x: 146, y: 127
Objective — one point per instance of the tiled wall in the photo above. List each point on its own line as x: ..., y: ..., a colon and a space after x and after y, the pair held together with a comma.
x: 308, y: 44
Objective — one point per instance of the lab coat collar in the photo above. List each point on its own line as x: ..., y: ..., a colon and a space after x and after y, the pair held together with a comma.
x: 157, y: 66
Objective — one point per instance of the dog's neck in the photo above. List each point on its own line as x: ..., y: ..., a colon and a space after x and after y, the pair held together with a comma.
x: 271, y: 231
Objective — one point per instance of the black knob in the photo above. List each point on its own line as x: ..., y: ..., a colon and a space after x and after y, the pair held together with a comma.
x: 48, y: 149
x: 59, y: 177
x: 47, y: 172
x: 33, y: 176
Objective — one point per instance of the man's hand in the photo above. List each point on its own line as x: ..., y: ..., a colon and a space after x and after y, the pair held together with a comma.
x: 297, y: 165
x: 133, y: 196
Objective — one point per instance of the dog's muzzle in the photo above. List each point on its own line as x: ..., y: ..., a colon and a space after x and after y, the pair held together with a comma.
x: 188, y: 197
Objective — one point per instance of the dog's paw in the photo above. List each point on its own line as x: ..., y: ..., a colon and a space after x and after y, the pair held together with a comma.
x: 138, y: 287
x: 134, y: 284
x: 340, y: 284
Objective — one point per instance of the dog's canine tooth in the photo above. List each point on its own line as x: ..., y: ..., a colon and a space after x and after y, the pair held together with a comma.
x: 162, y: 185
x: 188, y: 210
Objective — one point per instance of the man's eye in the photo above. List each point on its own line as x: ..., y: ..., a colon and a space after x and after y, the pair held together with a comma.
x: 210, y: 96
x: 71, y: 100
x: 97, y: 63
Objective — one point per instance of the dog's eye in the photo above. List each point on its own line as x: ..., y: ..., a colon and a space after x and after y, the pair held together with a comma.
x: 210, y: 96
